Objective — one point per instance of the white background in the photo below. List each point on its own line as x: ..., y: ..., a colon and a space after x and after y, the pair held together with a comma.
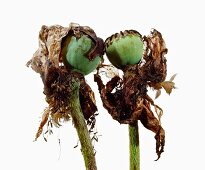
x: 22, y: 100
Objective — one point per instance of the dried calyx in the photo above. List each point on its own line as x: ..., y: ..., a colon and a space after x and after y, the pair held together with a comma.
x: 126, y: 99
x: 66, y: 54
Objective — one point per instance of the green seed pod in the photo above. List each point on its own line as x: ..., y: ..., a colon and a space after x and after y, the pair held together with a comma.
x: 124, y: 48
x: 82, y: 51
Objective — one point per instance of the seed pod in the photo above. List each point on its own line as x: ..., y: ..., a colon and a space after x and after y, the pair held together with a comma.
x: 124, y: 48
x: 82, y: 50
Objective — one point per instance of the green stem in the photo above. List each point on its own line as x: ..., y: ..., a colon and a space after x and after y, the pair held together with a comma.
x: 134, y: 147
x: 81, y: 127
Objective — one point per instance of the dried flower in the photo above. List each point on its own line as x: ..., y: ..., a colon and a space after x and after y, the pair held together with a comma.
x: 60, y: 46
x: 126, y: 98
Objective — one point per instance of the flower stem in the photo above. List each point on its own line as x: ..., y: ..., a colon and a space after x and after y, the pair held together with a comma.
x: 134, y: 147
x: 81, y: 127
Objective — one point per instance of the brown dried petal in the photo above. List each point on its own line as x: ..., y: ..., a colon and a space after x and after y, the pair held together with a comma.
x: 148, y: 119
x: 160, y: 142
x: 49, y: 48
x: 173, y: 77
x: 98, y: 50
x: 87, y: 100
x: 168, y: 86
x: 43, y: 122
x: 155, y: 68
x: 158, y: 93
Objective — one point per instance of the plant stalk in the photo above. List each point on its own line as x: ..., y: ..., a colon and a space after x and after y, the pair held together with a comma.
x: 81, y: 127
x: 134, y: 147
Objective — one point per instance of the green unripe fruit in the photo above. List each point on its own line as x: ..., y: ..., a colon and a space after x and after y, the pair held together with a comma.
x: 75, y: 53
x: 124, y: 48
